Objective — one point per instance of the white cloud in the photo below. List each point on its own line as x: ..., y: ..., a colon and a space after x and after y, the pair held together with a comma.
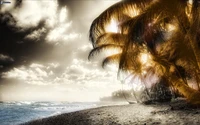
x: 56, y: 22
x: 63, y: 15
x: 36, y: 35
x: 35, y: 65
x: 32, y: 12
x: 54, y: 65
x: 17, y: 73
x: 40, y: 72
x: 37, y: 74
x: 62, y: 31
x: 87, y: 74
x: 61, y: 34
x: 51, y: 73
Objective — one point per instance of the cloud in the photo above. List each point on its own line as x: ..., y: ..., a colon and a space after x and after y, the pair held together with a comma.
x: 30, y: 13
x: 36, y: 35
x: 36, y: 74
x: 30, y: 31
x: 6, y: 58
x: 86, y: 73
x: 62, y: 29
x: 61, y: 35
x: 49, y: 44
x: 81, y: 74
x: 56, y: 25
x: 63, y: 15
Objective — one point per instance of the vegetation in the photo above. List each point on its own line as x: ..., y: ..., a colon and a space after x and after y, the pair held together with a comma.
x: 119, y: 95
x: 165, y: 32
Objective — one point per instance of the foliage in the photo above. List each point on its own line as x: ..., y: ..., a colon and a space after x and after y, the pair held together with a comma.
x: 118, y: 95
x: 166, y: 30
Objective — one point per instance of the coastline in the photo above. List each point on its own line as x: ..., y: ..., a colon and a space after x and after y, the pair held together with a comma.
x: 176, y: 113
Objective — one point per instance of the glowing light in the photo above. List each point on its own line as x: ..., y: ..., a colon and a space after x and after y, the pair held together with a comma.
x: 112, y: 27
x: 144, y: 58
x: 171, y: 27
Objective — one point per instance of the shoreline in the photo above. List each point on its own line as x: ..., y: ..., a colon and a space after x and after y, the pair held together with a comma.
x: 176, y: 113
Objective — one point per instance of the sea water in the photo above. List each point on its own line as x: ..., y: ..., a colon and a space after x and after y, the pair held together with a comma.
x: 13, y: 113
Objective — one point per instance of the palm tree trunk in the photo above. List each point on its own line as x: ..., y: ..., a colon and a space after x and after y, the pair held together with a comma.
x: 192, y: 95
x: 193, y: 44
x: 197, y: 80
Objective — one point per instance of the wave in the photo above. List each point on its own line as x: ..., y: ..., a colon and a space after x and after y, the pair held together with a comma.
x: 69, y: 107
x: 23, y: 111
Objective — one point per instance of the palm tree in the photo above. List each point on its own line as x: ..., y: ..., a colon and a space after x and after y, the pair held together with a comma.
x: 166, y: 30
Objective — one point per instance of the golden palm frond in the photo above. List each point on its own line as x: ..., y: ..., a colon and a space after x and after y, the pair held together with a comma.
x: 167, y: 30
x: 120, y: 11
x: 111, y: 38
x: 103, y: 48
x: 130, y: 58
x: 113, y: 58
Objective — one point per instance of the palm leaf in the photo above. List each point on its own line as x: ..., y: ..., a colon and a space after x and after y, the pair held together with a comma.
x: 130, y: 57
x: 111, y: 38
x: 102, y: 48
x: 113, y: 58
x: 152, y: 17
x: 120, y: 12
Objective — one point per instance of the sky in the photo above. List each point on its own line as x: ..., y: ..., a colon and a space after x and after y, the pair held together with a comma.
x: 44, y: 47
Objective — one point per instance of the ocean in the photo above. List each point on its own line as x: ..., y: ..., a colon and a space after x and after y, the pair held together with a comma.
x: 14, y: 113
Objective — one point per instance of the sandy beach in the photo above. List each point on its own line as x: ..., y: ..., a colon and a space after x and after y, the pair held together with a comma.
x: 174, y: 113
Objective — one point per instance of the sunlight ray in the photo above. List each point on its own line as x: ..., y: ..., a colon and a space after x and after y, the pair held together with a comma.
x: 112, y: 26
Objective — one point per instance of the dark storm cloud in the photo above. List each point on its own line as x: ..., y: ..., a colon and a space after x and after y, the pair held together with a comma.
x: 27, y: 37
x: 24, y: 37
x: 14, y: 44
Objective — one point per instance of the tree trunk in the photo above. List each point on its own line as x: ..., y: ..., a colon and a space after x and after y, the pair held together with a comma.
x: 192, y: 95
x: 197, y: 80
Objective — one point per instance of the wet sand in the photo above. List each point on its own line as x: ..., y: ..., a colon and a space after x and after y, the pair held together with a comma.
x: 178, y: 112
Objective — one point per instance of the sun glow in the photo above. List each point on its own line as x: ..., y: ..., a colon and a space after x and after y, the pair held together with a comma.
x: 145, y: 58
x: 112, y: 26
x: 171, y: 27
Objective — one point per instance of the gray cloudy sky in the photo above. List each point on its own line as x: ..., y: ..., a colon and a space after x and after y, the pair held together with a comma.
x: 43, y: 51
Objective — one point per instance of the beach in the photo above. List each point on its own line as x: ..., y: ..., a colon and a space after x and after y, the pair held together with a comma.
x: 174, y: 113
